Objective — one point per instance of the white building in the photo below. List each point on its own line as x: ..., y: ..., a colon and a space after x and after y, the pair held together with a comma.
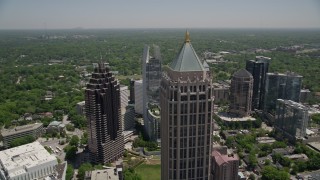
x: 30, y: 161
x: 138, y: 95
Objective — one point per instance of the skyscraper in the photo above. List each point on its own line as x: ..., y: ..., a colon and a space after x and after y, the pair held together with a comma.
x: 102, y: 96
x: 186, y: 101
x: 258, y: 68
x: 291, y: 119
x: 281, y: 86
x: 151, y: 84
x: 241, y: 93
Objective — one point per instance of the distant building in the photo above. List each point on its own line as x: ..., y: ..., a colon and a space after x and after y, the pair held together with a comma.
x: 281, y: 86
x: 305, y: 95
x: 186, y: 101
x: 103, y: 113
x: 124, y: 99
x: 8, y: 135
x: 138, y: 97
x: 55, y: 126
x: 131, y: 88
x: 29, y: 161
x: 151, y: 66
x: 221, y: 92
x: 153, y: 116
x: 81, y: 108
x: 224, y: 167
x: 258, y: 68
x: 291, y: 119
x: 241, y: 93
x: 129, y: 118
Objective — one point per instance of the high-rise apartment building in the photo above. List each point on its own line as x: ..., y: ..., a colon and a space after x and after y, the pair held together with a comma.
x: 102, y: 96
x: 224, y: 167
x: 186, y: 101
x: 281, y: 86
x: 291, y: 119
x: 151, y: 84
x: 241, y: 93
x: 258, y: 68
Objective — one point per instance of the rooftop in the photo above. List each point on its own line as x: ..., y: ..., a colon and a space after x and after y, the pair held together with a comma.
x: 105, y: 174
x: 187, y: 59
x: 242, y: 73
x: 20, y: 159
x: 221, y: 159
x: 20, y: 129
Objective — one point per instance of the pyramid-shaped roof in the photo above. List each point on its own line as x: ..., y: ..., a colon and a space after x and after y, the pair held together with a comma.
x: 187, y: 59
x: 242, y: 73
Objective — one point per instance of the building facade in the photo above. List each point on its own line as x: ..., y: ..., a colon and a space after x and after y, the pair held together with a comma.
x: 221, y: 91
x: 241, y: 93
x: 259, y: 69
x: 138, y: 97
x: 291, y: 119
x: 151, y: 67
x: 281, y: 86
x: 29, y: 161
x: 102, y: 96
x: 186, y: 101
x: 9, y: 135
x: 224, y: 167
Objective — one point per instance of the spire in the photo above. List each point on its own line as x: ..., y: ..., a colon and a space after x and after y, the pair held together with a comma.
x: 187, y: 38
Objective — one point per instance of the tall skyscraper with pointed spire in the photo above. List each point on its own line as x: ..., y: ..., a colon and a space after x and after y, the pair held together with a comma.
x: 102, y: 96
x: 186, y: 101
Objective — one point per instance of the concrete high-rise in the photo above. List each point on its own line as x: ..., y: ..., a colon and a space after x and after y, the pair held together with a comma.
x: 291, y: 119
x: 258, y: 68
x: 186, y: 101
x: 102, y: 96
x: 151, y: 84
x: 241, y: 93
x: 281, y: 86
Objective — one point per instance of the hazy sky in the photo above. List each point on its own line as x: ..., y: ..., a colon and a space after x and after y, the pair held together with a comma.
x: 53, y: 14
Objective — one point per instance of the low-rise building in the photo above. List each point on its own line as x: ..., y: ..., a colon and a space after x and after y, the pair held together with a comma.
x: 55, y: 126
x: 8, y: 135
x: 81, y: 107
x: 104, y: 174
x: 29, y: 161
x: 224, y: 167
x: 221, y: 92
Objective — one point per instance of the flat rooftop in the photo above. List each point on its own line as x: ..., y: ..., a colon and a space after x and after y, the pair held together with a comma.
x: 20, y: 129
x: 105, y: 174
x: 230, y: 118
x: 18, y: 160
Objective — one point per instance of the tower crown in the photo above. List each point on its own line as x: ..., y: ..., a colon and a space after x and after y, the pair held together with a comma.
x: 187, y: 37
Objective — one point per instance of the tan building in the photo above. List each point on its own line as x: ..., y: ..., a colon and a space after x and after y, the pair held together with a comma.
x: 241, y: 93
x: 186, y: 101
x: 224, y: 167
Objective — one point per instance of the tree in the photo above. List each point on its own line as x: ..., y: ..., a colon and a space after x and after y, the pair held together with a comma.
x: 21, y: 141
x: 74, y: 141
x: 130, y: 174
x: 271, y: 173
x: 70, y: 127
x: 83, y: 168
x: 71, y: 152
x: 69, y: 173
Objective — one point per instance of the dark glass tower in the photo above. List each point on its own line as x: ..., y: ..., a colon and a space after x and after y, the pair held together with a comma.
x: 186, y: 101
x: 258, y: 68
x: 102, y: 96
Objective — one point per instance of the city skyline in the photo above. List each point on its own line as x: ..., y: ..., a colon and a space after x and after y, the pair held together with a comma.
x: 35, y: 14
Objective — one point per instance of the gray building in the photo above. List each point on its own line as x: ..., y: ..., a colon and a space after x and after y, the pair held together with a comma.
x: 258, y: 68
x: 241, y: 93
x: 281, y: 86
x: 221, y: 91
x: 8, y: 135
x: 291, y: 119
x: 186, y: 101
x: 151, y: 84
x: 80, y: 107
